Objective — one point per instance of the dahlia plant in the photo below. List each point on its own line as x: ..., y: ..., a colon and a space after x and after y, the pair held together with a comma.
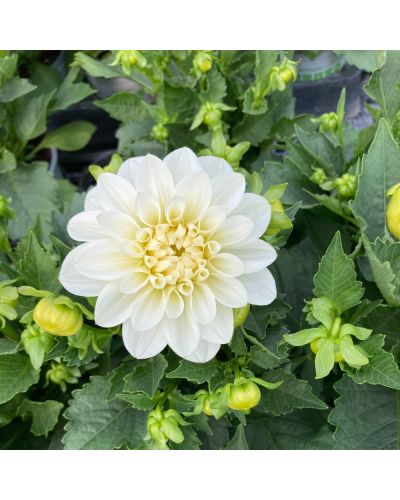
x: 231, y: 278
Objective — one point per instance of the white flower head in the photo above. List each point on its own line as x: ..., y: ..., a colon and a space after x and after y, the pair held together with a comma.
x: 170, y: 248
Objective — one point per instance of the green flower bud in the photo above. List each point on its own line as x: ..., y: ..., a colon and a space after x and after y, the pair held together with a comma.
x: 393, y: 211
x: 202, y: 62
x: 165, y: 426
x: 128, y: 59
x: 62, y: 375
x: 244, y: 396
x: 279, y: 220
x: 212, y: 115
x: 346, y: 185
x: 36, y: 344
x: 159, y: 132
x: 318, y: 176
x: 329, y: 122
x: 8, y: 302
x: 57, y: 319
x: 240, y: 315
x: 112, y: 167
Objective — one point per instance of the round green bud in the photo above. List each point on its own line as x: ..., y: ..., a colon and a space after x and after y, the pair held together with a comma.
x: 329, y: 122
x: 393, y: 211
x: 240, y: 315
x: 57, y: 319
x: 243, y: 397
x: 346, y: 185
x: 276, y: 206
x: 317, y: 344
x: 159, y: 132
x: 212, y: 117
x: 202, y: 62
x: 318, y: 176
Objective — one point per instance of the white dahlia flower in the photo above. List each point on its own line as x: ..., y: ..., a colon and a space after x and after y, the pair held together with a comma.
x: 171, y: 247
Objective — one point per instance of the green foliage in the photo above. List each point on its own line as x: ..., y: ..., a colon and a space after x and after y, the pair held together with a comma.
x: 44, y: 415
x: 16, y: 375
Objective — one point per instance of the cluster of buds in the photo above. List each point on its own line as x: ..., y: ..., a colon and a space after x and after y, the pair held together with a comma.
x: 219, y: 147
x: 8, y: 302
x: 329, y: 122
x: 202, y: 62
x: 330, y: 339
x: 164, y: 426
x: 279, y: 220
x: 112, y: 167
x: 128, y: 59
x: 62, y: 375
x: 318, y: 176
x: 346, y: 185
x: 36, y: 343
x: 393, y: 211
x: 159, y: 132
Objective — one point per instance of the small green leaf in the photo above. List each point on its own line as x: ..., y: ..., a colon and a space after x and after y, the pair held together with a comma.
x: 336, y: 278
x: 14, y: 88
x: 70, y: 137
x: 195, y: 372
x: 324, y: 359
x: 124, y: 107
x: 146, y: 376
x: 16, y: 375
x: 238, y: 442
x: 352, y: 354
x: 44, y: 415
x: 304, y: 337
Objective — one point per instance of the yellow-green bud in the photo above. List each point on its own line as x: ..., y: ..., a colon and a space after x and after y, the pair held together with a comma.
x: 240, y: 315
x: 346, y: 185
x: 36, y: 344
x: 393, y: 211
x: 62, y: 375
x: 277, y: 208
x: 159, y: 132
x: 244, y: 396
x: 202, y: 62
x: 317, y: 344
x: 212, y: 115
x: 8, y: 302
x: 164, y: 426
x: 318, y: 176
x: 112, y: 167
x: 129, y: 58
x: 329, y: 122
x: 57, y: 319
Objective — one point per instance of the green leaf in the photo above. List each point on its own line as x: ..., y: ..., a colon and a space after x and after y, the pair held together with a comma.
x: 44, y: 415
x: 238, y: 442
x: 367, y: 60
x: 336, y: 278
x: 379, y: 172
x: 382, y: 86
x: 319, y: 147
x: 37, y: 268
x: 216, y: 87
x: 70, y: 93
x: 195, y: 372
x: 70, y: 137
x: 382, y: 368
x: 98, y: 424
x: 32, y: 191
x: 146, y: 376
x: 16, y: 375
x: 384, y: 259
x: 30, y: 118
x: 118, y: 375
x: 14, y: 88
x: 7, y: 346
x: 124, y: 107
x: 293, y: 393
x: 7, y: 161
x: 366, y: 417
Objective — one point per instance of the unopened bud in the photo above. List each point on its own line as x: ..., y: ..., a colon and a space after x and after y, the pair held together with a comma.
x: 57, y: 319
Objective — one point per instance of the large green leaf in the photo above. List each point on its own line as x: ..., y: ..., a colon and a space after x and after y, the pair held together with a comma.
x: 44, y: 415
x: 379, y: 172
x: 366, y: 417
x: 70, y: 137
x: 37, y: 268
x: 293, y: 393
x: 367, y: 60
x: 30, y: 117
x: 195, y: 372
x: 383, y: 86
x: 98, y: 424
x: 382, y: 368
x: 124, y: 107
x: 146, y: 376
x: 14, y: 88
x: 33, y: 191
x: 16, y: 375
x: 336, y: 277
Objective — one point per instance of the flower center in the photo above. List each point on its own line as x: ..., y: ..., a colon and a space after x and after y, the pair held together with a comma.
x: 174, y: 255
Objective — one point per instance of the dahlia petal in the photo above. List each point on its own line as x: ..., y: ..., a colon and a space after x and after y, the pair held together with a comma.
x: 235, y: 229
x: 214, y: 166
x: 92, y: 201
x: 147, y: 209
x: 204, y: 352
x: 182, y: 163
x: 226, y: 264
x: 112, y: 306
x: 153, y: 177
x: 74, y: 281
x: 175, y: 304
x: 115, y: 193
x: 256, y: 208
x: 128, y: 169
x: 117, y: 225
x: 134, y: 281
x: 146, y: 344
x: 196, y: 191
x: 148, y: 309
x: 202, y: 304
x: 254, y: 254
x: 228, y: 190
x: 183, y: 334
x: 220, y: 331
x: 229, y: 292
x: 260, y: 287
x: 84, y: 226
x: 212, y: 218
x: 103, y: 259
